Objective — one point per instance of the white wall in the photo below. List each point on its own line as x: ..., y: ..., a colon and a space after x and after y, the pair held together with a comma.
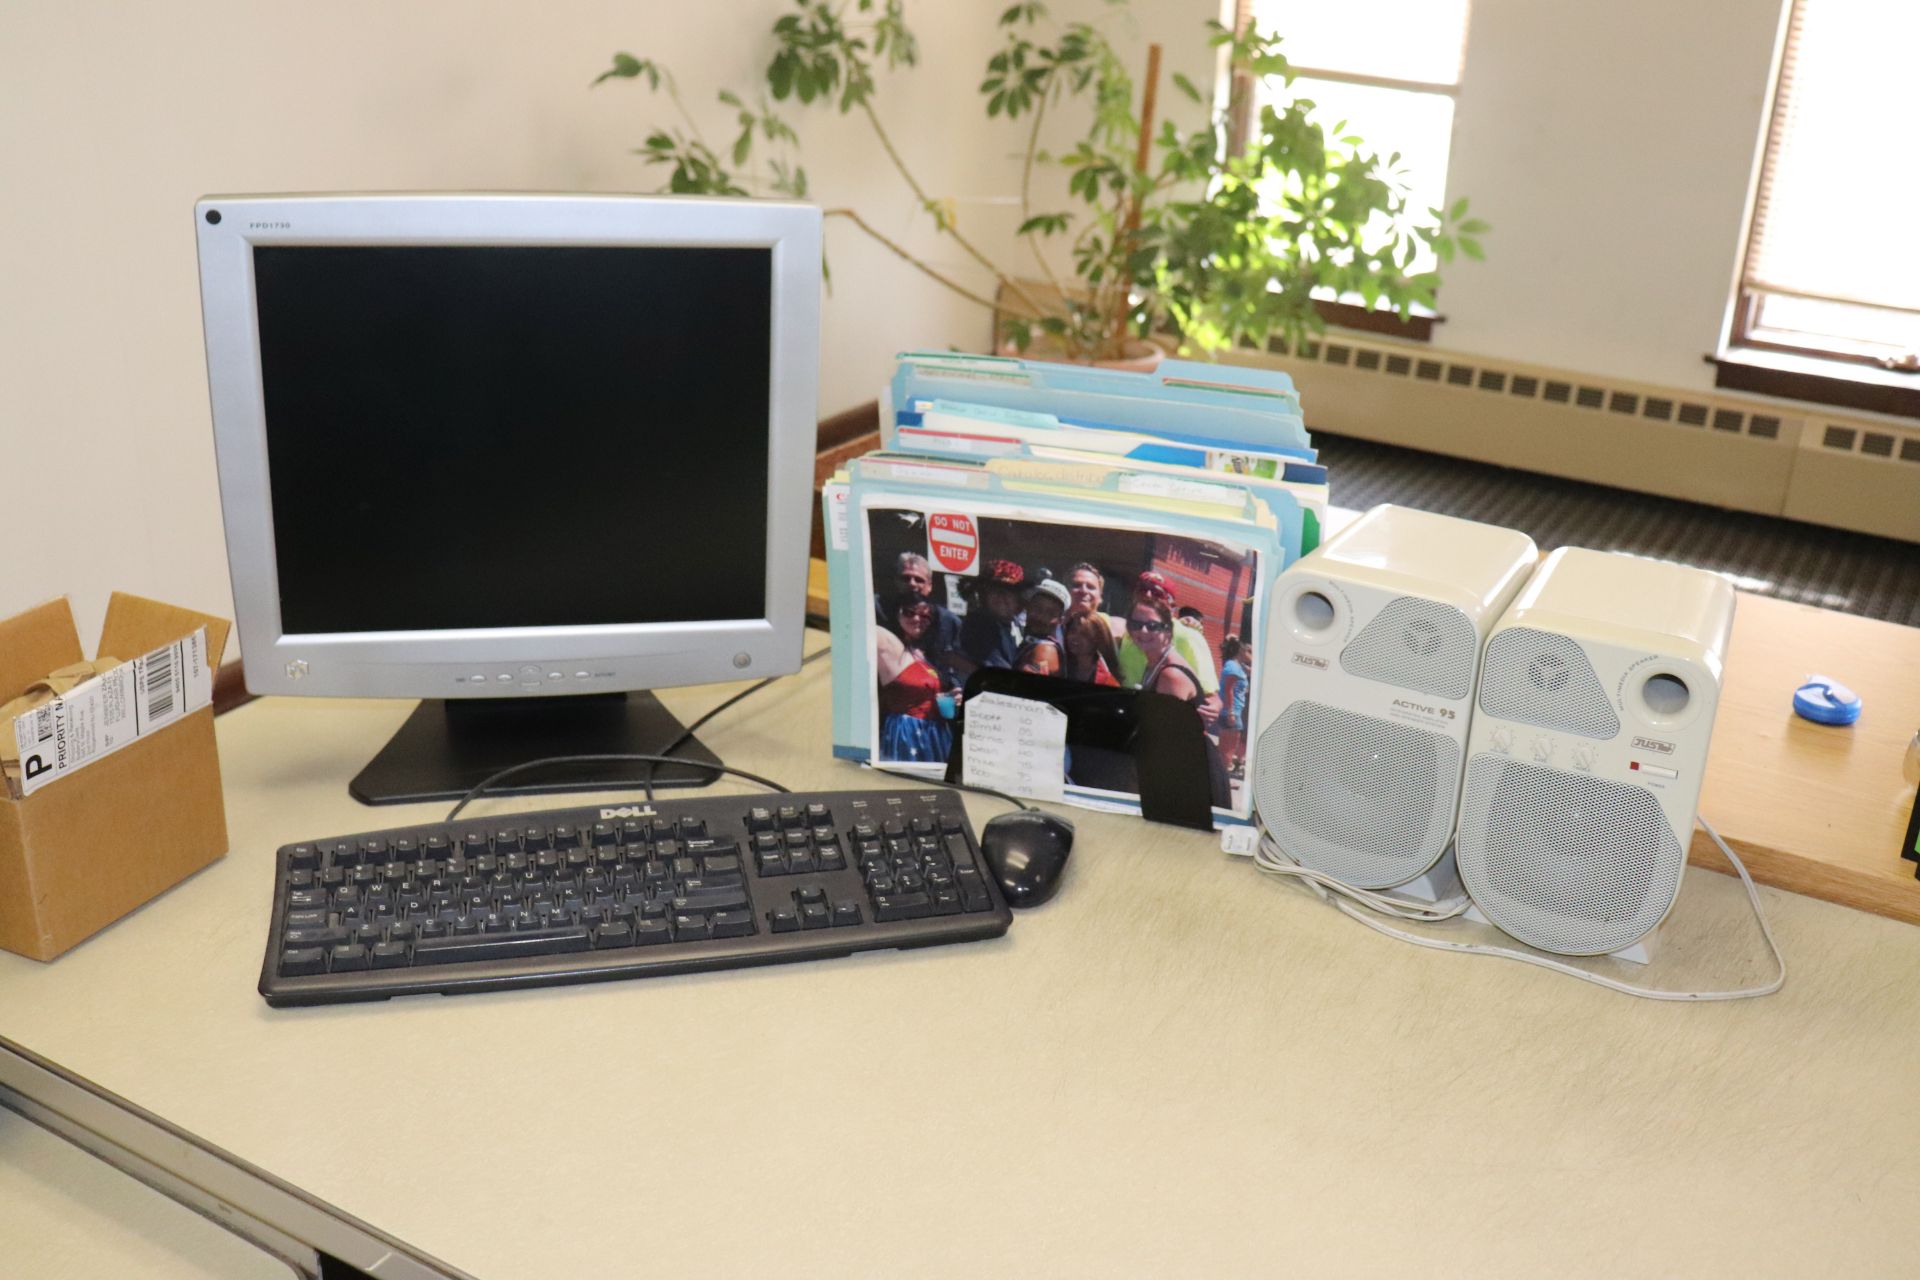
x: 1610, y: 145
x: 114, y: 117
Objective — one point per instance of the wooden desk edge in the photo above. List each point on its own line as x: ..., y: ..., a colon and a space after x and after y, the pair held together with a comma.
x: 1809, y: 875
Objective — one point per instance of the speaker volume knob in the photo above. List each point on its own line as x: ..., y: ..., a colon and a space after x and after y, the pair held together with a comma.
x: 1503, y: 740
x: 1543, y: 749
x: 1583, y: 757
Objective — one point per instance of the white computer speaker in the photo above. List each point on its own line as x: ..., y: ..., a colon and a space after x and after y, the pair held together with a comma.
x: 1589, y: 739
x: 1367, y: 674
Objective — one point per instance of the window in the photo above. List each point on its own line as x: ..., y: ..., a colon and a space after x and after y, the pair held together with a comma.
x: 1830, y: 268
x: 1389, y: 69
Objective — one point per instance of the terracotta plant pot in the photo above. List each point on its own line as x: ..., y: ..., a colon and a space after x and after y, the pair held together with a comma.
x: 1142, y: 356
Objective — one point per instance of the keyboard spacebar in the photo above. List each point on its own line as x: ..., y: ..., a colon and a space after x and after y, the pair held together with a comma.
x: 501, y: 946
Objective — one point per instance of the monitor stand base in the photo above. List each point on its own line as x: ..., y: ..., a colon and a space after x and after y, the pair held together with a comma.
x: 448, y: 746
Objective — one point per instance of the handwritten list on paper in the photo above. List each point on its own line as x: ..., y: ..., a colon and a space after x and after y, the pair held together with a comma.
x: 1015, y: 745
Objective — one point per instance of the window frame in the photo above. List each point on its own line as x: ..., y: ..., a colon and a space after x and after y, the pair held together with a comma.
x: 1752, y: 357
x: 1243, y: 95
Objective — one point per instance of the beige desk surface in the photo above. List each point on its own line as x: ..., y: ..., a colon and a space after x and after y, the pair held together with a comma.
x: 1176, y: 1067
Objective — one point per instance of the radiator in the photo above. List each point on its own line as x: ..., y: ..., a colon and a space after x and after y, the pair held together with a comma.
x: 1775, y: 457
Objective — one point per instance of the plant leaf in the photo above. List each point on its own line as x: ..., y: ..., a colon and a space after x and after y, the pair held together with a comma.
x: 626, y: 67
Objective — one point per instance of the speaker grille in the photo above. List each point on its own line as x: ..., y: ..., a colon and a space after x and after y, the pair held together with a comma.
x: 1416, y: 644
x: 1368, y: 800
x: 1565, y: 861
x: 1543, y: 679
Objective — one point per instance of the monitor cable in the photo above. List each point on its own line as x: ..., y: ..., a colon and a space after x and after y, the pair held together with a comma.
x: 666, y: 756
x: 652, y: 760
x: 686, y: 734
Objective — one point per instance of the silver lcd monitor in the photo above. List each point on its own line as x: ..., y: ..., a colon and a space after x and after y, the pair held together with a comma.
x: 523, y: 457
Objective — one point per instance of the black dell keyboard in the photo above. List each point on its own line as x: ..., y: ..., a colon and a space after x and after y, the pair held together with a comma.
x: 589, y: 894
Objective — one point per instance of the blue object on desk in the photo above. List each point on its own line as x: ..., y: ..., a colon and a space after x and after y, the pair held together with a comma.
x: 1824, y: 700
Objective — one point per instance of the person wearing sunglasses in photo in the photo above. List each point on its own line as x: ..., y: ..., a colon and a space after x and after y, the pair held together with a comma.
x: 913, y: 576
x: 1151, y: 626
x: 913, y: 689
x: 1189, y: 647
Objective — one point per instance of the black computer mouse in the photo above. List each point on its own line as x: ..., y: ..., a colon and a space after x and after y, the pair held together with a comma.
x: 1027, y: 853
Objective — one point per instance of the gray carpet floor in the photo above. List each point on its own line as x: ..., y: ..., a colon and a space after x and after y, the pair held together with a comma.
x: 1852, y: 572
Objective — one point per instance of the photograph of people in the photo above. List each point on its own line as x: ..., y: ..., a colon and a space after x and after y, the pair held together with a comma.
x: 916, y: 698
x: 1189, y: 647
x: 1040, y: 653
x: 1151, y: 625
x: 989, y: 635
x: 913, y: 576
x: 1087, y: 639
x: 1114, y: 607
x: 1088, y: 587
x: 1233, y: 706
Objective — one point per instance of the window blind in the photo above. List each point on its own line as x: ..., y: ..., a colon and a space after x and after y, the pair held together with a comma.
x: 1838, y: 201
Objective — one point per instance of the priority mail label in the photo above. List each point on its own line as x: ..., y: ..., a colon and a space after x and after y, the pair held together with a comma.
x: 106, y: 713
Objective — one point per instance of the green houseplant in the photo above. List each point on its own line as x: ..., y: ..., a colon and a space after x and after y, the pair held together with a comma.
x: 1218, y: 235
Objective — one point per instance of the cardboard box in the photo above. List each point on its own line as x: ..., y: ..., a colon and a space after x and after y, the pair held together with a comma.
x: 86, y: 849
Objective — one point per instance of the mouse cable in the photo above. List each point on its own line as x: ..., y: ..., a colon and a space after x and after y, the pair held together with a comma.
x: 1273, y: 860
x: 617, y: 757
x: 1585, y: 975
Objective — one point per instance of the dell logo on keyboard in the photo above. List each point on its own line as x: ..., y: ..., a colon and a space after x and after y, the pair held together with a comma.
x: 629, y: 811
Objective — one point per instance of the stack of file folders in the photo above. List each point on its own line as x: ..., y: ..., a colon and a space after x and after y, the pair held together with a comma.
x: 1110, y: 528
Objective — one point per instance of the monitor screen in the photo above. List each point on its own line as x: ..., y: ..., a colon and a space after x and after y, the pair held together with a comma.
x: 507, y: 436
